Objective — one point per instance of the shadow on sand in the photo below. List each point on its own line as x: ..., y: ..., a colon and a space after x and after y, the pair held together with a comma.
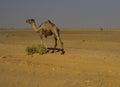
x: 56, y: 50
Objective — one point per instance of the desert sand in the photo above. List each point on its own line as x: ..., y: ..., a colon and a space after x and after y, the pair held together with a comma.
x: 92, y: 59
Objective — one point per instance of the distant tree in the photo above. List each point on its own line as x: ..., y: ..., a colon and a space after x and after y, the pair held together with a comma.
x: 101, y: 29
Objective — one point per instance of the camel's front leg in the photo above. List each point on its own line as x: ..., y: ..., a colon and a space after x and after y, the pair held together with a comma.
x: 45, y: 43
x: 55, y: 42
x: 41, y: 38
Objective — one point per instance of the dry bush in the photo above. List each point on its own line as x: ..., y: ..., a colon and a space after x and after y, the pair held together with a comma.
x: 40, y: 48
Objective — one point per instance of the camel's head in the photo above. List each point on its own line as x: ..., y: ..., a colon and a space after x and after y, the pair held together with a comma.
x: 30, y: 21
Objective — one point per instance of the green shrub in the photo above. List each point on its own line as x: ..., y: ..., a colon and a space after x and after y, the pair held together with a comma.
x: 31, y: 49
x: 41, y: 49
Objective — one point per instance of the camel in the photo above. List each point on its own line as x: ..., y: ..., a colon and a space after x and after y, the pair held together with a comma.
x: 47, y: 28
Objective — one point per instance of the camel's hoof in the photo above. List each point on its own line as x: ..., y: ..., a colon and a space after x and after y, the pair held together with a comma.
x: 57, y: 50
x: 63, y: 52
x: 52, y: 51
x: 47, y: 51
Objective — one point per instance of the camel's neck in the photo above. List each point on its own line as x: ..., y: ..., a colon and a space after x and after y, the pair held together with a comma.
x: 34, y: 26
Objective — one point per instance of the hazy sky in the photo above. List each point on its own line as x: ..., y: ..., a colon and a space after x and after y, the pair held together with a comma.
x: 64, y: 13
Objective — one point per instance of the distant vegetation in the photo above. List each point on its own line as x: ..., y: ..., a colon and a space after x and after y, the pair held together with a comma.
x: 101, y: 29
x: 40, y: 48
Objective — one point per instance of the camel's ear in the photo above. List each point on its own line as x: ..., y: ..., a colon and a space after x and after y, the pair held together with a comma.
x: 32, y: 20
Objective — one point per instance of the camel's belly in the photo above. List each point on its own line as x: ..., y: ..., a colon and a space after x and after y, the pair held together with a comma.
x: 48, y: 33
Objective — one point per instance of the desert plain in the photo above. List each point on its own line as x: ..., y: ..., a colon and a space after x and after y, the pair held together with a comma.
x: 91, y: 59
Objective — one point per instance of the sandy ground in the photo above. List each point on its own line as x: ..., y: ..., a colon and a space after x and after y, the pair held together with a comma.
x: 92, y: 59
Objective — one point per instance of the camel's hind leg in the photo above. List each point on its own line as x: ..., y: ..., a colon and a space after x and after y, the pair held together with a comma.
x: 61, y: 43
x: 62, y: 48
x: 55, y: 45
x: 57, y: 37
x: 55, y: 42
